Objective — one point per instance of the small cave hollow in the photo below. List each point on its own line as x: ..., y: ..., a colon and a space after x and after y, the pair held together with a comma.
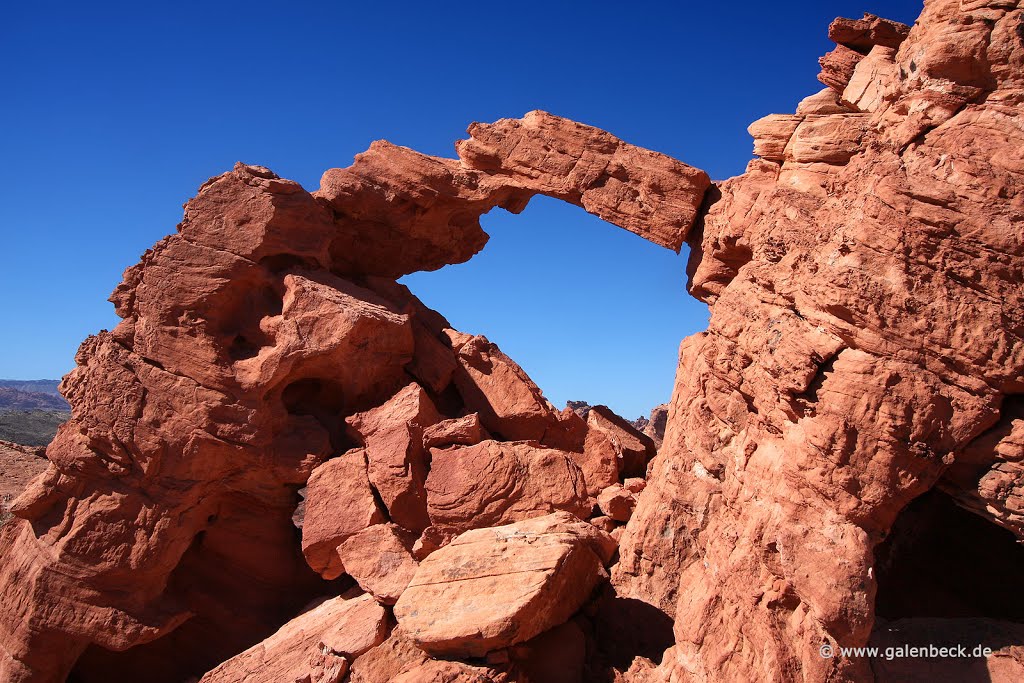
x: 245, y: 304
x: 626, y: 628
x: 314, y: 397
x: 943, y: 561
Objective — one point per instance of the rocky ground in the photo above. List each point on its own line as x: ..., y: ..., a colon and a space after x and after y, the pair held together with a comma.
x: 31, y: 411
x: 31, y: 427
x: 841, y: 458
x: 18, y: 466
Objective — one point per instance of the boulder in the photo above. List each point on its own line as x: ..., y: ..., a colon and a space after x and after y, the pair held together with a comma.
x: 492, y: 588
x: 460, y: 431
x: 339, y: 503
x: 380, y: 559
x: 633, y: 449
x: 392, y: 434
x: 600, y: 461
x: 510, y: 405
x: 617, y: 503
x: 495, y: 482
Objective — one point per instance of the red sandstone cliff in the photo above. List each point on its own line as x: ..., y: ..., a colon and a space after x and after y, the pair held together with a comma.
x: 865, y: 282
x: 852, y: 411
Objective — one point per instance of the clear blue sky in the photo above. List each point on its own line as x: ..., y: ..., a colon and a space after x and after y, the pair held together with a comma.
x: 113, y: 114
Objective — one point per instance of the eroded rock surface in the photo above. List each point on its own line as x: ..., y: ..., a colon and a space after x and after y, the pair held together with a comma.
x: 864, y: 347
x: 853, y: 409
x: 317, y: 646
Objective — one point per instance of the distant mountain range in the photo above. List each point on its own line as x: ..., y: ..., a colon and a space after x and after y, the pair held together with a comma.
x: 31, y: 410
x: 36, y: 386
x: 31, y: 395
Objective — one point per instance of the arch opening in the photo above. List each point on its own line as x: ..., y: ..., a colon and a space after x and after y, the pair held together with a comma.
x: 592, y: 312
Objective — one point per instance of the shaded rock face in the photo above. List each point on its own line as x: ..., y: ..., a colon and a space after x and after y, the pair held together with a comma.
x: 319, y: 645
x: 265, y: 348
x: 864, y: 348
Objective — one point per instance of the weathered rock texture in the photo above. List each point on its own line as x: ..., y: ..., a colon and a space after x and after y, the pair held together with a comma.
x: 319, y: 645
x: 266, y: 348
x: 864, y: 278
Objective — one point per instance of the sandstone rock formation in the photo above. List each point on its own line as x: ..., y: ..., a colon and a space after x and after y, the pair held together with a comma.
x: 864, y: 347
x: 842, y: 442
x: 319, y: 645
x: 653, y: 426
x: 266, y: 349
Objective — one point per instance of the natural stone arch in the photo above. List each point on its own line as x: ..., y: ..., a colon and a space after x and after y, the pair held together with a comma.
x: 193, y: 425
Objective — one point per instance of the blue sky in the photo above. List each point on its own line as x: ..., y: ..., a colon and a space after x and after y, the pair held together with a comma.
x: 113, y: 114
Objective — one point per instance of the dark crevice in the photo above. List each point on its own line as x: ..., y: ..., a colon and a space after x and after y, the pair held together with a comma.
x: 626, y: 628
x: 242, y: 348
x: 280, y: 263
x: 323, y: 400
x: 805, y: 402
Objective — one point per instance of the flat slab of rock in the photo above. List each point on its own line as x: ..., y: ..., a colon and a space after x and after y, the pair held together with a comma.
x: 318, y: 645
x: 492, y: 588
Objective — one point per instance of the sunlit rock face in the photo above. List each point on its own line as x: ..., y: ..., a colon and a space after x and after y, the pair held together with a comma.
x: 266, y: 348
x: 865, y: 282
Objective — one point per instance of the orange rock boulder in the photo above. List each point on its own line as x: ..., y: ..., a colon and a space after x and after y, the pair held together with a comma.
x: 492, y: 588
